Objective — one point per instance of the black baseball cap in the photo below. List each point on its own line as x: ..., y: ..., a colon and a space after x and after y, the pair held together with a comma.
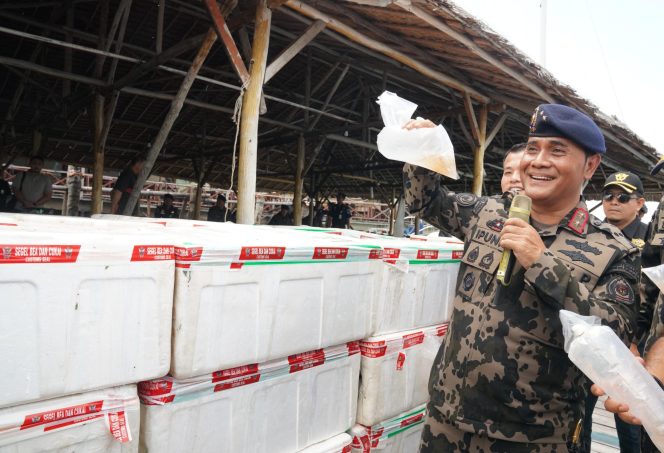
x: 627, y: 181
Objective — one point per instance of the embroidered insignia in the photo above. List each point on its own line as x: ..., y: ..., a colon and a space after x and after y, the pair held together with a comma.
x: 620, y: 290
x: 533, y: 120
x: 576, y: 256
x: 474, y: 253
x: 466, y: 199
x: 468, y: 281
x: 578, y: 221
x: 620, y: 177
x: 584, y: 246
x: 479, y: 205
x: 486, y: 260
x: 640, y: 243
x: 496, y: 224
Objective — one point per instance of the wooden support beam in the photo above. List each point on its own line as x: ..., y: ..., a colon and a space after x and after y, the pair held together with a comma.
x: 329, y: 97
x: 476, y: 49
x: 291, y: 51
x: 472, y: 119
x: 97, y: 123
x: 224, y: 34
x: 171, y: 116
x: 299, y: 181
x: 478, y: 164
x: 249, y: 118
x: 495, y: 129
x: 370, y: 43
x: 159, y: 45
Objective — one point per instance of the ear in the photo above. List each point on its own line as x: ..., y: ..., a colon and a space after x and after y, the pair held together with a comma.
x: 592, y: 162
x: 640, y: 202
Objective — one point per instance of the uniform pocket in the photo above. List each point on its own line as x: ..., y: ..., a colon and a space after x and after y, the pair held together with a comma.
x: 479, y: 266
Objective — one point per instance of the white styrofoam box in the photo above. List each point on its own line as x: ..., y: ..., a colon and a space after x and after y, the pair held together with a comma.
x: 82, y: 310
x: 419, y: 279
x: 280, y: 406
x: 400, y: 434
x: 258, y: 294
x: 395, y: 372
x: 93, y: 422
x: 340, y: 443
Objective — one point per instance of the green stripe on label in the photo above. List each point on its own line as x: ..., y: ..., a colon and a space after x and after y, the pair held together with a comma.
x: 433, y: 261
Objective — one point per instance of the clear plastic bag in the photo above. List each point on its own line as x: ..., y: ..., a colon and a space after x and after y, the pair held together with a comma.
x: 428, y: 147
x: 656, y: 274
x: 598, y: 352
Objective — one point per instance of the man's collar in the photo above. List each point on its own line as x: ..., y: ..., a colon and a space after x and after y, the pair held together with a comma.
x: 575, y: 221
x: 630, y: 230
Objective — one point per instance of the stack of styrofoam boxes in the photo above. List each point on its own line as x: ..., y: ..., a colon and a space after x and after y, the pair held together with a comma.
x: 86, y: 309
x: 408, y: 326
x: 265, y: 356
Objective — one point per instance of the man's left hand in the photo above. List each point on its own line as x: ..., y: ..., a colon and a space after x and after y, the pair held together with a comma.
x: 523, y: 240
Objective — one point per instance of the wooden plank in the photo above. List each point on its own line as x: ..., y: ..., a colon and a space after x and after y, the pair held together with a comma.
x: 249, y: 118
x: 495, y: 129
x: 291, y: 51
x: 159, y: 45
x: 171, y: 116
x: 478, y: 163
x: 472, y: 119
x: 299, y: 181
x: 370, y: 43
x: 220, y: 26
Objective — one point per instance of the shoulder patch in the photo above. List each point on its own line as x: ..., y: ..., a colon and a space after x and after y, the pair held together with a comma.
x: 466, y: 199
x: 479, y: 205
x: 620, y: 290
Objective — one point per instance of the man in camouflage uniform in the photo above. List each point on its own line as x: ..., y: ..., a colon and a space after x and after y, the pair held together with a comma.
x: 501, y: 381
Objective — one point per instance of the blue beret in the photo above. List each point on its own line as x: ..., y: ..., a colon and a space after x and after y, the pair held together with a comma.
x: 555, y: 120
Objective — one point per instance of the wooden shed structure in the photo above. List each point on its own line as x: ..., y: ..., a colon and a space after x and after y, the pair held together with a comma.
x: 96, y: 82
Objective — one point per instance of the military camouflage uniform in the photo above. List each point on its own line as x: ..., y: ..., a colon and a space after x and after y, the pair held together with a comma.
x: 653, y: 255
x: 502, y: 372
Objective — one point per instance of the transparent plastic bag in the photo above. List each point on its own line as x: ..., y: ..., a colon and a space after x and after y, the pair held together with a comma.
x: 598, y: 352
x: 428, y: 147
x: 656, y: 274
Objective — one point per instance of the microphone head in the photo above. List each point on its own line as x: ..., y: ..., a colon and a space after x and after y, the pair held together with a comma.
x: 520, y: 207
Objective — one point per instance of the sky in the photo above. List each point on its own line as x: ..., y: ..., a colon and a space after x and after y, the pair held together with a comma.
x: 609, y: 51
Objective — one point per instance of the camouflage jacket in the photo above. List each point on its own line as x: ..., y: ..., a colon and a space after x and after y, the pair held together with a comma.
x: 653, y: 255
x: 502, y: 369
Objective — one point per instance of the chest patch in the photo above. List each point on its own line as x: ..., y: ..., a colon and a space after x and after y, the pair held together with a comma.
x: 496, y: 225
x: 576, y: 256
x: 488, y: 237
x: 468, y: 281
x: 583, y: 246
x: 474, y: 253
x: 487, y: 260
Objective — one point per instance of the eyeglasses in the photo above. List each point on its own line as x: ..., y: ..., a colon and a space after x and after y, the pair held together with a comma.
x: 622, y: 198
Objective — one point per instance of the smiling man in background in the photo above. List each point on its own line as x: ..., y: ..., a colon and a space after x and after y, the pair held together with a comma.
x: 511, y: 180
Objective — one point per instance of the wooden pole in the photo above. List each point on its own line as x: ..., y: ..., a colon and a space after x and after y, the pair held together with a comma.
x: 171, y: 116
x: 160, y: 26
x: 73, y: 195
x: 299, y: 182
x: 478, y: 167
x: 96, y: 202
x: 249, y: 119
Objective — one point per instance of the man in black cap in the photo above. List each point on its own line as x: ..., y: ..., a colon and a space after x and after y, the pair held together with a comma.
x: 166, y: 210
x: 339, y: 214
x: 501, y: 381
x: 622, y: 199
x: 653, y: 350
x: 219, y: 212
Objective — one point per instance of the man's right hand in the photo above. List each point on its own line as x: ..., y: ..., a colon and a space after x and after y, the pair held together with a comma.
x: 418, y: 123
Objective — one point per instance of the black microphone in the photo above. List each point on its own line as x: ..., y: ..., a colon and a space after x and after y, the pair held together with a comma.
x: 519, y: 209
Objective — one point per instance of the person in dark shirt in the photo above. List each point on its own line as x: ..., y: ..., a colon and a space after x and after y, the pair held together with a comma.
x: 6, y: 197
x: 219, y: 212
x: 339, y: 214
x: 167, y: 210
x: 282, y: 217
x: 125, y: 184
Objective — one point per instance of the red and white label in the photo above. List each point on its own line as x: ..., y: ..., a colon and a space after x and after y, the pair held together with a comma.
x: 119, y: 426
x: 188, y: 253
x: 391, y: 253
x: 412, y: 420
x: 238, y: 382
x: 38, y: 253
x: 330, y: 253
x: 401, y: 359
x: 337, y: 233
x: 306, y: 360
x: 155, y: 388
x: 427, y: 254
x: 262, y: 253
x: 234, y: 373
x: 376, y: 254
x: 457, y: 254
x: 153, y: 253
x: 373, y: 349
x: 346, y: 449
x: 413, y: 339
x: 442, y: 330
x: 353, y: 347
x: 42, y: 418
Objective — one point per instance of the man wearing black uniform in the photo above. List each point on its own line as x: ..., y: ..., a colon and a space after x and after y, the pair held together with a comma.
x: 622, y: 199
x: 125, y: 184
x: 340, y: 213
x: 167, y: 210
x: 219, y: 212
